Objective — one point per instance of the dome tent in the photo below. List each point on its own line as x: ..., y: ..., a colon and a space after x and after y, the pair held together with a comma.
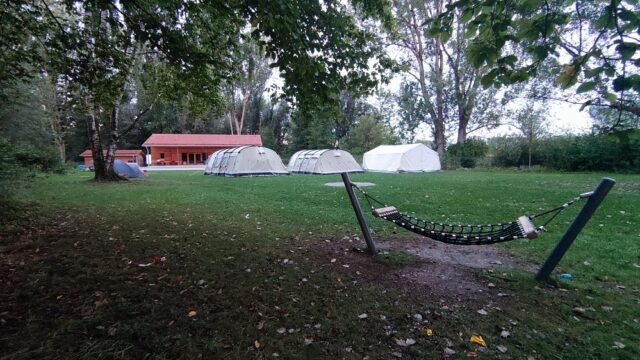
x: 401, y: 158
x: 128, y: 170
x: 323, y: 162
x: 245, y: 161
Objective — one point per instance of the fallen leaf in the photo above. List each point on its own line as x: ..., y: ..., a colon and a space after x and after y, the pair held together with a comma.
x: 483, y: 312
x: 363, y: 316
x: 449, y: 351
x: 477, y: 339
x: 502, y: 348
x: 405, y: 342
x: 428, y: 331
x: 618, y: 345
x: 192, y: 313
x: 260, y: 325
x: 281, y: 330
x: 505, y: 334
x: 333, y: 260
x: 256, y: 344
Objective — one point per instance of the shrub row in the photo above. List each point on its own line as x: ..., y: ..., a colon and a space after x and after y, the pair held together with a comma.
x: 601, y: 152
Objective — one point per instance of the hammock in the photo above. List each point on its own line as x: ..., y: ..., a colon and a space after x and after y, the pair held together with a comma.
x: 522, y: 228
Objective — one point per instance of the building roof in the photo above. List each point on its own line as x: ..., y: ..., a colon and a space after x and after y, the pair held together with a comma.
x: 202, y: 140
x: 87, y: 153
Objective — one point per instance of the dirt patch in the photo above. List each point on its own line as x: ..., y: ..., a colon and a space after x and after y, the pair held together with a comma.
x: 439, y: 271
x: 471, y: 256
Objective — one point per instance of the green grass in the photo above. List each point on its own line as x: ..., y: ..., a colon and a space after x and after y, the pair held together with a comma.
x: 259, y: 247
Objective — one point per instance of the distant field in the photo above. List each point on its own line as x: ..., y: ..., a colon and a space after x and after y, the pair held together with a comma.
x: 252, y: 258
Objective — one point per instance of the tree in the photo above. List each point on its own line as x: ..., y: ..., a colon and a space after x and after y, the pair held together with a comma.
x: 252, y: 73
x: 275, y: 126
x: 411, y: 111
x: 472, y: 107
x: 449, y: 87
x: 609, y: 120
x: 427, y: 60
x: 532, y: 124
x: 368, y: 133
x: 25, y: 125
x: 319, y: 47
x: 513, y: 39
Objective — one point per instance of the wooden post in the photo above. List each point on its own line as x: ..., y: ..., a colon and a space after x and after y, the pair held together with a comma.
x: 356, y: 208
x: 574, y: 229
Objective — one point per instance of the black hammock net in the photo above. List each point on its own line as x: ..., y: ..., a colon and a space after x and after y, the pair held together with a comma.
x: 459, y: 234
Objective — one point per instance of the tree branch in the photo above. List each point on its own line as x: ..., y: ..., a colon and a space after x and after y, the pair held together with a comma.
x: 137, y: 118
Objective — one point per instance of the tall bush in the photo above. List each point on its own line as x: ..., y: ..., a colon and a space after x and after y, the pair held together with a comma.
x: 466, y: 155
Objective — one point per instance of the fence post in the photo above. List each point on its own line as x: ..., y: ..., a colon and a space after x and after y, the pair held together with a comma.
x: 576, y: 226
x: 356, y: 208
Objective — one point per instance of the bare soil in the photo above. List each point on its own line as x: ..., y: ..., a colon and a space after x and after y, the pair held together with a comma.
x: 441, y: 271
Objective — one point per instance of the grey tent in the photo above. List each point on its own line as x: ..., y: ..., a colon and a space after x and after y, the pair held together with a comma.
x: 128, y: 170
x: 245, y: 161
x: 323, y: 162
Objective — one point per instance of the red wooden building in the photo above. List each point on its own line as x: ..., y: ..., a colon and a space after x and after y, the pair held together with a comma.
x: 191, y: 149
x: 134, y: 156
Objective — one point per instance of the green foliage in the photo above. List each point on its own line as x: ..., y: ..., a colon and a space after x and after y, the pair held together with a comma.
x: 412, y: 110
x: 466, y: 155
x: 11, y: 173
x: 609, y: 120
x: 514, y: 39
x: 591, y: 153
x: 314, y: 129
x: 367, y: 134
x: 320, y: 48
x: 26, y: 129
x: 507, y: 151
x: 601, y: 152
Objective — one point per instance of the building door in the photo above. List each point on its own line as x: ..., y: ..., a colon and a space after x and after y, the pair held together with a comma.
x: 191, y: 159
x: 184, y: 158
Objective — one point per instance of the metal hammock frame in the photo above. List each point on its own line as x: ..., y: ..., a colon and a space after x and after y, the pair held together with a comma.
x: 459, y: 234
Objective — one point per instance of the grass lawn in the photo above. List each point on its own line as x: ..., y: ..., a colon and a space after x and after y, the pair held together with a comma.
x: 264, y: 268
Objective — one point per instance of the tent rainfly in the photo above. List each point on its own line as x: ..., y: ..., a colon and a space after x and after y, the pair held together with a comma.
x: 401, y: 158
x: 245, y: 161
x: 128, y: 170
x: 323, y: 162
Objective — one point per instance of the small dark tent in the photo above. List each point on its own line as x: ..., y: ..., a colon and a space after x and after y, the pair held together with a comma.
x: 128, y: 170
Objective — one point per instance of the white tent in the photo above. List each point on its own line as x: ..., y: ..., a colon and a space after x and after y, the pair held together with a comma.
x: 401, y: 158
x: 323, y: 162
x: 245, y: 161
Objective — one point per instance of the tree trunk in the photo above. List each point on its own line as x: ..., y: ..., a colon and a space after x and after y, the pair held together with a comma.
x: 96, y: 147
x: 245, y: 104
x: 114, y: 137
x: 231, y: 115
x: 464, y: 117
x: 103, y: 168
x: 462, y: 133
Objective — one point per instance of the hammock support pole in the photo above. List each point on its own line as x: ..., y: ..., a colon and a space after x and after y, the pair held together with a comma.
x: 371, y: 247
x: 576, y: 226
